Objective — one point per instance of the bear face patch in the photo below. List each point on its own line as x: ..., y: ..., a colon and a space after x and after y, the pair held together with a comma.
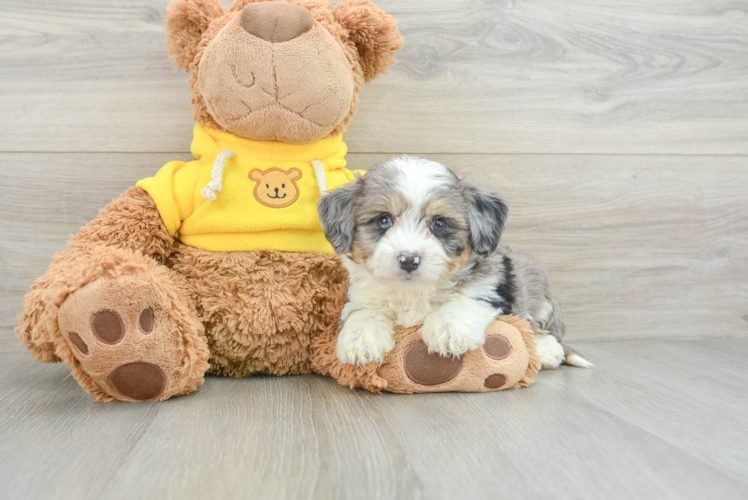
x: 276, y: 188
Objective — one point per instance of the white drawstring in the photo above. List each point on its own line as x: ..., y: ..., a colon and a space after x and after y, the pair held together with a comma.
x: 319, y: 173
x: 216, y: 176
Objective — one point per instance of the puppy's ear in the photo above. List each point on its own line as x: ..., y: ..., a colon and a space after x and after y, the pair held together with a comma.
x: 186, y: 21
x: 336, y: 215
x: 373, y: 32
x: 486, y: 214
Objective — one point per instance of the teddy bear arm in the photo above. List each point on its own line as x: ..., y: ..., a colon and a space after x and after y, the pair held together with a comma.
x: 507, y: 360
x: 131, y: 222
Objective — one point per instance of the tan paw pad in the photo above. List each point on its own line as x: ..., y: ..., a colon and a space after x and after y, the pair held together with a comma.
x: 124, y: 339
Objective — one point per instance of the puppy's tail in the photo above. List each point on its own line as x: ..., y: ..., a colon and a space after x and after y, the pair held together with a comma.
x: 573, y: 358
x: 556, y: 326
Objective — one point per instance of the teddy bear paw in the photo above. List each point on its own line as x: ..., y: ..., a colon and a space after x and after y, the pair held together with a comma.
x: 502, y: 362
x: 128, y: 341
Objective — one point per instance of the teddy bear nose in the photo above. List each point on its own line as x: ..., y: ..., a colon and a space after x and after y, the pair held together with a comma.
x: 276, y: 22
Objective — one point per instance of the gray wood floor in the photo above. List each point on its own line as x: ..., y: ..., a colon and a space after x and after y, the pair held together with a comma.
x: 655, y: 419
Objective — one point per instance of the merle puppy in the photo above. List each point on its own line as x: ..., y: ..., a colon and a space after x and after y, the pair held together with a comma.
x: 422, y: 247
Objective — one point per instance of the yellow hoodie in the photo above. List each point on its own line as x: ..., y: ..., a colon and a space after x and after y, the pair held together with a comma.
x: 265, y: 197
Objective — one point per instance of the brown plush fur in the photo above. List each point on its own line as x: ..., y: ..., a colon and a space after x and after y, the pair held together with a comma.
x: 186, y: 21
x: 367, y: 36
x: 263, y: 309
x: 130, y: 222
x: 528, y: 336
x: 373, y: 33
x: 325, y: 362
x: 297, y: 91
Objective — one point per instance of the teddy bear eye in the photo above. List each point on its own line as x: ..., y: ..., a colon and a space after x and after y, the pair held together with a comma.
x: 283, y: 185
x: 267, y: 186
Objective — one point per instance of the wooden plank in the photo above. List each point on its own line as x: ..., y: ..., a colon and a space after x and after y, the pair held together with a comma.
x: 55, y: 442
x: 558, y: 444
x: 268, y: 437
x: 538, y: 76
x: 702, y: 395
x: 621, y: 430
x: 636, y: 246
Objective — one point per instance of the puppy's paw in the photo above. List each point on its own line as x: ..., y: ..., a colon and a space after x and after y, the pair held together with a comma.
x: 448, y: 334
x: 364, y: 340
x: 550, y: 351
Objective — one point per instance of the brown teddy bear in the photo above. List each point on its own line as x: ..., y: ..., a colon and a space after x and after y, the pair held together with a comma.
x: 220, y: 265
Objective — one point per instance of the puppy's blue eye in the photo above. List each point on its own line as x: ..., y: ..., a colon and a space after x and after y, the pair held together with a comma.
x: 438, y: 225
x: 384, y: 221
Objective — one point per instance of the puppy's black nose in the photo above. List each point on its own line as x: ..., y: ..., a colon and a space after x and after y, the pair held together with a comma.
x: 409, y: 262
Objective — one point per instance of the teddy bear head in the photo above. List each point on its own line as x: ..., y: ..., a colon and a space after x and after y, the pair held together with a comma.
x: 287, y: 70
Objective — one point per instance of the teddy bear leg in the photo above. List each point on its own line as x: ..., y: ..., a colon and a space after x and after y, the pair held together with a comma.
x: 132, y: 333
x: 263, y: 308
x: 506, y: 360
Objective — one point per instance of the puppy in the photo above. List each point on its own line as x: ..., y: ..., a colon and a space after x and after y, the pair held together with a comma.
x: 421, y: 246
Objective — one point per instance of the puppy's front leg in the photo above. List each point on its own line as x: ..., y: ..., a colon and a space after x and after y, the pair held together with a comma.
x: 366, y: 337
x: 458, y: 326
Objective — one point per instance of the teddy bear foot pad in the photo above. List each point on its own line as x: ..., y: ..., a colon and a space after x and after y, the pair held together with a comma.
x: 126, y: 341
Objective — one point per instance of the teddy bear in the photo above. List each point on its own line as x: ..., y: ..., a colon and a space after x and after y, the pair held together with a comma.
x: 220, y: 265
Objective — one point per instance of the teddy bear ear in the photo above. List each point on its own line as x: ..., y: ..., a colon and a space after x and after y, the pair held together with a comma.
x: 186, y: 21
x: 373, y: 32
x: 294, y: 174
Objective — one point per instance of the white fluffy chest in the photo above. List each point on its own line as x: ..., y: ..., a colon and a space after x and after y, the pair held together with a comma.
x: 405, y: 305
x: 409, y: 309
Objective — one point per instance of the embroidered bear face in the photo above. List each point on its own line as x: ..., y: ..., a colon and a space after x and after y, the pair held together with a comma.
x: 276, y: 188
